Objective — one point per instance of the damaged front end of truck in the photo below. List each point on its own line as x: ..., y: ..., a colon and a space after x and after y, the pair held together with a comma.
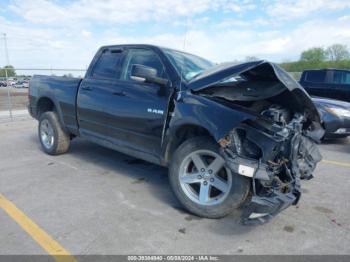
x: 276, y: 148
x: 276, y: 157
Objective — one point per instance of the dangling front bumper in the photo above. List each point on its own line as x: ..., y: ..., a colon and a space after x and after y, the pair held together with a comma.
x: 275, y: 181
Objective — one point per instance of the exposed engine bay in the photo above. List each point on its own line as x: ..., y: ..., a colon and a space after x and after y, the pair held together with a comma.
x: 276, y: 152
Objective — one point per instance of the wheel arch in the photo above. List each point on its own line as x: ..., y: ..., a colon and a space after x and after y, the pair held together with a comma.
x: 43, y: 105
x: 205, y: 116
x: 182, y: 133
x: 46, y: 104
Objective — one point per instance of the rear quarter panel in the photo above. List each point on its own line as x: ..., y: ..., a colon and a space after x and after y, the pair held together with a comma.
x: 62, y: 92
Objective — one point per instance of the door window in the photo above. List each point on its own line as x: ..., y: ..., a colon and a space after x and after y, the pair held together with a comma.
x: 316, y: 76
x: 347, y: 78
x: 107, y: 66
x: 340, y: 77
x: 142, y: 57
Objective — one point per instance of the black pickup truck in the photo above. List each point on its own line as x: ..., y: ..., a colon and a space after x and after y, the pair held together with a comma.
x: 232, y: 135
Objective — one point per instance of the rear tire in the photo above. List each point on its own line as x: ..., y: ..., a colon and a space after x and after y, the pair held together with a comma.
x: 53, y: 139
x: 223, y: 190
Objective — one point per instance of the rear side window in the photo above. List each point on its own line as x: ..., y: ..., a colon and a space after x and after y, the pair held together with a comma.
x: 108, y: 65
x: 316, y: 76
x: 340, y: 77
x: 347, y: 78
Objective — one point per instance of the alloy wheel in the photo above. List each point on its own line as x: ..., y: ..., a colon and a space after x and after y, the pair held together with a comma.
x: 46, y: 134
x: 204, y: 178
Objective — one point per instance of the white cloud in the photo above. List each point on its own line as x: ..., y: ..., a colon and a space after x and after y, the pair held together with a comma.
x: 63, y: 36
x: 45, y: 47
x: 86, y: 33
x: 234, y: 23
x: 236, y: 44
x: 117, y: 11
x: 120, y: 11
x: 240, y: 6
x: 345, y: 18
x: 291, y: 9
x: 33, y: 47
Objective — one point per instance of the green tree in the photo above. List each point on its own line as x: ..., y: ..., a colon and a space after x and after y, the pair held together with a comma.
x: 315, y: 54
x: 10, y: 71
x: 337, y: 52
x: 335, y: 56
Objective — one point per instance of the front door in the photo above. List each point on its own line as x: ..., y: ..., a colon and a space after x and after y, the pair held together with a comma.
x: 142, y: 106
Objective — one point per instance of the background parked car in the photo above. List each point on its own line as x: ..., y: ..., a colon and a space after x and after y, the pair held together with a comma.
x: 329, y: 83
x: 335, y: 116
x: 3, y: 84
x: 11, y: 83
x: 26, y: 84
x: 22, y: 84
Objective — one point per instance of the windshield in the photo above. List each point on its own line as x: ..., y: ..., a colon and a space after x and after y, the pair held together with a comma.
x: 186, y: 64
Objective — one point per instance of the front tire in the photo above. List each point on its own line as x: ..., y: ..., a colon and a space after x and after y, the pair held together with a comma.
x: 53, y: 139
x: 203, y: 183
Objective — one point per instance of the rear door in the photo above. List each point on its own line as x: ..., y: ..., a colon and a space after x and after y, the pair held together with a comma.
x: 98, y: 93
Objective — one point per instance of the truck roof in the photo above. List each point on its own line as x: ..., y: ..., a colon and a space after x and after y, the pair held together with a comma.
x: 130, y: 45
x: 144, y: 45
x: 327, y: 69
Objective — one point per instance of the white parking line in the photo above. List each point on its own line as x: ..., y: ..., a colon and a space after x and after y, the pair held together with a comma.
x: 14, y: 113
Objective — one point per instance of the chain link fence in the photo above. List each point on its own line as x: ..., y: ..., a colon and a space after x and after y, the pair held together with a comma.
x: 14, y: 89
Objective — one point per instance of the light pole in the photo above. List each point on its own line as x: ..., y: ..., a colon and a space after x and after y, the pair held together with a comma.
x: 6, y: 50
x: 6, y: 76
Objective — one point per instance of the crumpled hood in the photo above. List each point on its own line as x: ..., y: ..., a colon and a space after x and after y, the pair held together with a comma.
x: 261, y: 72
x: 219, y: 73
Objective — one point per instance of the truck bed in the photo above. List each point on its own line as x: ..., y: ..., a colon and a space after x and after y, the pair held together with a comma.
x: 62, y: 91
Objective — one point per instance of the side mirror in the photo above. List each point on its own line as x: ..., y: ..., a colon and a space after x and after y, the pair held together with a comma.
x: 146, y: 74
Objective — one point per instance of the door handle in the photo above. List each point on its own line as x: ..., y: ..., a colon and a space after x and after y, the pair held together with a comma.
x: 118, y: 93
x: 87, y: 88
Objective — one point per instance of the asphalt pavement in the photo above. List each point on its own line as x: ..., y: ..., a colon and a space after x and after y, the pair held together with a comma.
x: 93, y: 200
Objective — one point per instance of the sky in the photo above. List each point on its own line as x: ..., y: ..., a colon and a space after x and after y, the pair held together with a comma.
x: 66, y: 34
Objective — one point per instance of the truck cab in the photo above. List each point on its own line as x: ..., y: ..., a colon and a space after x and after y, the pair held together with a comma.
x: 118, y: 107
